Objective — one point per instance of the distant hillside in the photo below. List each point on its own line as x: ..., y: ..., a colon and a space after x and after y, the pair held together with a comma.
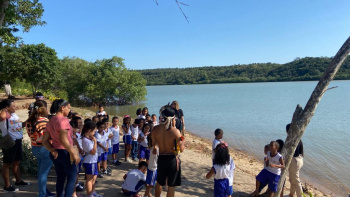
x: 305, y: 69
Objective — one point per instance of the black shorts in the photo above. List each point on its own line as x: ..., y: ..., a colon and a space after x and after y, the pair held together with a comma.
x: 167, y: 170
x: 14, y: 153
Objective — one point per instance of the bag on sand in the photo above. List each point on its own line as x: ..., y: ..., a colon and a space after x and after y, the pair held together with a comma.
x: 6, y: 142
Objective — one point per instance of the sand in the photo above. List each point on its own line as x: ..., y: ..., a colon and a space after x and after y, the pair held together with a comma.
x: 196, y: 162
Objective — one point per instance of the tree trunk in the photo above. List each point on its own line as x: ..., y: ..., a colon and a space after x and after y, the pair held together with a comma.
x: 301, y: 118
x: 4, y: 5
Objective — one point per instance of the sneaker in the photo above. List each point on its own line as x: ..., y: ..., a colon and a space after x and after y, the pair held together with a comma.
x: 22, y: 183
x: 79, y: 188
x: 135, y: 159
x: 117, y: 163
x: 129, y: 160
x: 49, y: 194
x: 10, y: 189
x: 106, y: 172
x: 81, y: 184
x: 99, y: 175
x: 109, y: 169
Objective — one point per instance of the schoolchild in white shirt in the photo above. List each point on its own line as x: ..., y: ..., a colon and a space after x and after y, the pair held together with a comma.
x: 115, y: 140
x: 89, y: 145
x: 102, y: 149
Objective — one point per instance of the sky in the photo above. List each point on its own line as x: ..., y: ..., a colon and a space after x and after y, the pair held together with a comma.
x: 219, y: 33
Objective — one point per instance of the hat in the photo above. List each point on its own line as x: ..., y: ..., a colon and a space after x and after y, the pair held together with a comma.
x: 126, y: 116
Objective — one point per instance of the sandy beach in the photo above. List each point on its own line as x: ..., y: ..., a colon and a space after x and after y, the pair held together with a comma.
x: 196, y: 162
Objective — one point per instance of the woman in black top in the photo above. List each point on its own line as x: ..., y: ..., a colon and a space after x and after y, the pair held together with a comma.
x: 179, y: 115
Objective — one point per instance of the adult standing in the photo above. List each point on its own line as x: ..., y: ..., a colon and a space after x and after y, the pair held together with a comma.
x: 38, y: 97
x: 179, y: 116
x: 35, y: 126
x: 294, y: 168
x: 11, y: 125
x: 170, y: 142
x: 61, y: 133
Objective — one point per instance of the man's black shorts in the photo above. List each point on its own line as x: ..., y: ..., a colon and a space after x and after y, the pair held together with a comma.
x: 14, y: 153
x: 167, y: 170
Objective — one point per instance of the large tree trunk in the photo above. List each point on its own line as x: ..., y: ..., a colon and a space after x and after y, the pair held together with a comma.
x: 301, y: 118
x: 4, y: 5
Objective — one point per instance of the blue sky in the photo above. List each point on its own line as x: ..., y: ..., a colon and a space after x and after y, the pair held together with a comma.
x: 219, y: 33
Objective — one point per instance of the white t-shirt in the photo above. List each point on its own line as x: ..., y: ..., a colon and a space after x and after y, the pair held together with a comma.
x: 153, y: 158
x: 132, y: 178
x: 232, y: 168
x: 98, y: 113
x: 144, y: 142
x: 14, y: 127
x: 129, y: 132
x: 274, y: 160
x: 103, y: 140
x: 115, y: 132
x: 222, y: 172
x: 87, y: 146
x: 134, y: 132
x: 155, y: 123
x: 215, y: 143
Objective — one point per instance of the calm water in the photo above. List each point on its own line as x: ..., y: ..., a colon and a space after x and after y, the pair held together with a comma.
x: 253, y: 114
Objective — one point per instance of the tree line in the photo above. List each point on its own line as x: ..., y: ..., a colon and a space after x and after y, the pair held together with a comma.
x: 105, y: 81
x: 300, y: 69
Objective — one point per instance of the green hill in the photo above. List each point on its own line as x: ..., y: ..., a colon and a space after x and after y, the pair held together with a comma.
x: 304, y: 69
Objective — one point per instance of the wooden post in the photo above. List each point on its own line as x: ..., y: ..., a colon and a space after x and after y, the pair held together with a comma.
x: 301, y: 118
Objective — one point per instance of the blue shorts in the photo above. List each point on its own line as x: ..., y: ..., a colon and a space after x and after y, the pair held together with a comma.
x: 151, y: 177
x: 230, y: 190
x: 221, y: 187
x: 144, y: 152
x: 127, y: 139
x: 102, y: 157
x: 115, y: 148
x: 266, y: 177
x: 109, y: 150
x: 91, y: 168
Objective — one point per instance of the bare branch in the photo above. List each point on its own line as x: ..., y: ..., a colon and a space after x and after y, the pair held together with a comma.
x: 178, y: 4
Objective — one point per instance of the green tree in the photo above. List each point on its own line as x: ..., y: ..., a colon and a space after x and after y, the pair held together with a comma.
x: 16, y: 15
x: 40, y: 66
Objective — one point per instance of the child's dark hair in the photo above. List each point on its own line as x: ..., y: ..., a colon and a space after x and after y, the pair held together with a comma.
x: 104, y: 120
x: 144, y: 109
x: 126, y: 117
x: 57, y: 104
x: 73, y: 124
x: 222, y: 156
x: 98, y: 124
x: 218, y: 132
x: 75, y: 119
x: 115, y: 117
x: 138, y: 111
x: 100, y: 105
x: 87, y: 120
x: 281, y: 144
x: 150, y: 127
x: 287, y: 127
x: 137, y: 121
x: 88, y: 126
x: 6, y: 103
x: 142, y: 164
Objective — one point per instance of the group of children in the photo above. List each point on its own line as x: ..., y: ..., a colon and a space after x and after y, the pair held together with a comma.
x: 96, y: 139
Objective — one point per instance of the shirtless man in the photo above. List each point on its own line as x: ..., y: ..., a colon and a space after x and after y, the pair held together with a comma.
x: 170, y: 142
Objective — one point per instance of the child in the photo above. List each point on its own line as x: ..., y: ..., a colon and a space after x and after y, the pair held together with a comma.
x: 154, y: 119
x: 127, y: 137
x: 109, y: 134
x: 134, y: 136
x: 134, y: 180
x: 152, y: 170
x: 223, y: 170
x: 102, y: 149
x: 143, y: 150
x: 270, y: 175
x: 115, y: 140
x: 218, y: 136
x: 101, y: 111
x: 95, y: 119
x: 89, y: 144
x: 138, y: 113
